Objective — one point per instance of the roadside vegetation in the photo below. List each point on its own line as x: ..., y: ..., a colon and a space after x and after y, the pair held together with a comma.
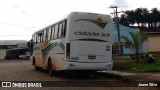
x: 135, y: 43
x: 149, y: 62
x: 126, y: 64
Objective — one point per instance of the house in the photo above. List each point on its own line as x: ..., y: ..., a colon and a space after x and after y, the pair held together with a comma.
x: 10, y: 49
x: 152, y: 44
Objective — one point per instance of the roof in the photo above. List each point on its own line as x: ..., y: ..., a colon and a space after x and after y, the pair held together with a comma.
x: 11, y: 42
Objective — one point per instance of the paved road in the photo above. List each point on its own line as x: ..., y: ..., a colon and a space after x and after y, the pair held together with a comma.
x: 22, y: 70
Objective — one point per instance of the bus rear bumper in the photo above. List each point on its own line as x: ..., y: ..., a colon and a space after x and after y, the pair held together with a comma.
x: 88, y: 66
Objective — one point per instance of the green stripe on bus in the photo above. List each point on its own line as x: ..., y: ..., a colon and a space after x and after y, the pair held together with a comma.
x: 100, y: 24
x: 49, y: 48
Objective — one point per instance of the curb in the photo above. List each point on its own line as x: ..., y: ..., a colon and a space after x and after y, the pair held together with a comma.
x: 121, y: 75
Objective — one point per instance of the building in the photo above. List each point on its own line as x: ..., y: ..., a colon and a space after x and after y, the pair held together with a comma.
x: 152, y: 43
x: 123, y: 31
x: 11, y: 49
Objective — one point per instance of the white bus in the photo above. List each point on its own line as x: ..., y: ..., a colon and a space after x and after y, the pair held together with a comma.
x: 82, y: 41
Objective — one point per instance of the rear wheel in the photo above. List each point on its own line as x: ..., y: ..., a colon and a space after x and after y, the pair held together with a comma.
x: 36, y: 67
x: 50, y: 71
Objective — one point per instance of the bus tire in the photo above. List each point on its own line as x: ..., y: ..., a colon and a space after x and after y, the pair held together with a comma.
x: 50, y: 71
x: 36, y: 67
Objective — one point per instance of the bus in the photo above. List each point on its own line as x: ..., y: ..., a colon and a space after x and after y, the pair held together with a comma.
x: 81, y: 41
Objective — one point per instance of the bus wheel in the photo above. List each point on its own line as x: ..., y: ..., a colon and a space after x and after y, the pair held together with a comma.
x: 36, y: 68
x: 50, y: 71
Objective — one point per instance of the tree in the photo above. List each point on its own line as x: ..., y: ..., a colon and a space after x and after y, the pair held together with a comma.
x: 130, y: 16
x: 136, y: 41
x: 155, y: 17
x: 124, y: 20
x: 141, y: 16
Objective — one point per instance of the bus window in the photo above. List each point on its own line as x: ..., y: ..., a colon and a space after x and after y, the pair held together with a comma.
x: 33, y: 37
x: 42, y: 35
x: 56, y: 31
x: 49, y: 33
x: 39, y: 36
x: 46, y: 36
x: 64, y: 28
x: 60, y: 30
x: 53, y: 31
x: 36, y: 38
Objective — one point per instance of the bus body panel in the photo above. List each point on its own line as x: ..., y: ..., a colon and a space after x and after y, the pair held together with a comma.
x: 91, y: 51
x: 54, y: 51
x: 83, y: 25
x: 88, y: 66
x: 49, y: 50
x: 37, y: 55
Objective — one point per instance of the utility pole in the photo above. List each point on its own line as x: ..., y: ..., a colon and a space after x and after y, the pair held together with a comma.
x: 116, y: 20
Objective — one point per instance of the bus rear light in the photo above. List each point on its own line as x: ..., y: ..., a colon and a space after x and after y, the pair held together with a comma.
x: 68, y: 50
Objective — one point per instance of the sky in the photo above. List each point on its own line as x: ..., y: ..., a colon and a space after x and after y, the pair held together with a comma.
x: 19, y: 19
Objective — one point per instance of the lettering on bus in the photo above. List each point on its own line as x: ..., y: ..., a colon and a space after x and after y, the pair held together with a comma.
x: 92, y: 34
x: 75, y: 58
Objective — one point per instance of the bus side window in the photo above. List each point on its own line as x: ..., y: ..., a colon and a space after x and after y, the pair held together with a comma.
x: 49, y: 33
x: 39, y: 36
x: 41, y: 40
x: 64, y: 28
x: 53, y: 31
x: 36, y: 37
x: 33, y: 37
x: 56, y: 31
x: 60, y: 30
x: 46, y: 35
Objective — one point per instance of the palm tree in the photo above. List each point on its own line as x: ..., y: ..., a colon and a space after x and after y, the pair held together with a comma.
x: 136, y: 41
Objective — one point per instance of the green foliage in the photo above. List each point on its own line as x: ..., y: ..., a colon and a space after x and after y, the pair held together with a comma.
x: 141, y: 16
x: 136, y: 41
x: 128, y: 65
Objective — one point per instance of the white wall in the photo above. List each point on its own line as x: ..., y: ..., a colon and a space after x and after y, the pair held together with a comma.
x: 145, y: 47
x: 2, y: 54
x: 22, y: 45
x: 154, y: 44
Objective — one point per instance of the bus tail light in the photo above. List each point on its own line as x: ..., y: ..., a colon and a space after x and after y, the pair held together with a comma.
x: 67, y: 50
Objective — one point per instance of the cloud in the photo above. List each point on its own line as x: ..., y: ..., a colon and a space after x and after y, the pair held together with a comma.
x: 20, y: 9
x: 121, y: 3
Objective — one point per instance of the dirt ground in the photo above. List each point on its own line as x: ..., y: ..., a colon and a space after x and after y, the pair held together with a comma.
x: 22, y: 70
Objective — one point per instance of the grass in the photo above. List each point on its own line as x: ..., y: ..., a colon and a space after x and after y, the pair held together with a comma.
x: 128, y: 65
